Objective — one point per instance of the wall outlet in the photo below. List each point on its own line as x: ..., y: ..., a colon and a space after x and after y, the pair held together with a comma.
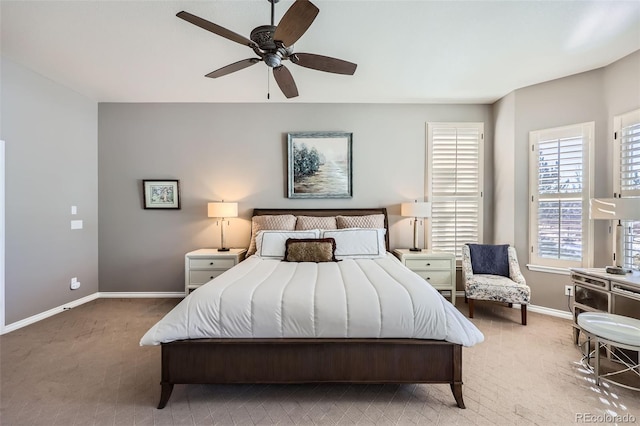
x: 75, y: 284
x: 568, y: 290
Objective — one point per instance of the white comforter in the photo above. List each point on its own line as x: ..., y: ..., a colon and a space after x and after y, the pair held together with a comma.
x: 265, y: 298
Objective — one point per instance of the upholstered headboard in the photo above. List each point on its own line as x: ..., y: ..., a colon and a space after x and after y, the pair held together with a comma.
x: 329, y: 212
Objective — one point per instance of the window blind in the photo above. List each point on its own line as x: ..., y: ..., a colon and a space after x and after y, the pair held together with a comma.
x: 559, y: 198
x: 560, y: 190
x: 629, y: 162
x: 454, y: 170
x: 627, y: 171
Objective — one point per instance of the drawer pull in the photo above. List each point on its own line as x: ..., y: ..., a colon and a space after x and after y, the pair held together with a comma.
x: 210, y: 263
x: 428, y: 278
x: 210, y: 278
x: 428, y: 264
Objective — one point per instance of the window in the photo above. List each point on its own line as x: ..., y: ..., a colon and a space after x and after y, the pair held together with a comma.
x: 454, y: 184
x: 560, y: 232
x: 626, y: 171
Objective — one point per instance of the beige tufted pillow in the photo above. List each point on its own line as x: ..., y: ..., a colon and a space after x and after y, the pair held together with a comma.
x: 305, y: 223
x: 284, y: 222
x: 369, y: 221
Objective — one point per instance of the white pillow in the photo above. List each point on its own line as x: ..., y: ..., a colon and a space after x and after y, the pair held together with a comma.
x: 358, y: 243
x: 272, y: 244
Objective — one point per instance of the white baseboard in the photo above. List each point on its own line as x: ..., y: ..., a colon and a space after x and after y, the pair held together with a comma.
x: 537, y: 309
x: 140, y: 295
x: 178, y: 294
x: 550, y: 311
x: 100, y: 295
x: 46, y: 314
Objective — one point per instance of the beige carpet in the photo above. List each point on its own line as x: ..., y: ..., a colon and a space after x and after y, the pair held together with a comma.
x: 84, y: 367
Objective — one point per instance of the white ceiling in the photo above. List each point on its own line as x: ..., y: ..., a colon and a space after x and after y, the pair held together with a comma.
x: 416, y: 51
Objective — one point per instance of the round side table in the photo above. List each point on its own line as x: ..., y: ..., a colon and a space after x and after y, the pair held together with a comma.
x: 608, y: 331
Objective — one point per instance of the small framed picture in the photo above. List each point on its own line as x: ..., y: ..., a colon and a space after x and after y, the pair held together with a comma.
x: 161, y: 194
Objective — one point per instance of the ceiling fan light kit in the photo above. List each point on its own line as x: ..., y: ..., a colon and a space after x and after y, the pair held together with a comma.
x: 274, y: 44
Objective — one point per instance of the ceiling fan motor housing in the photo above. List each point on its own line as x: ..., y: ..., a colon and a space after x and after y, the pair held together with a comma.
x: 263, y: 37
x: 271, y: 52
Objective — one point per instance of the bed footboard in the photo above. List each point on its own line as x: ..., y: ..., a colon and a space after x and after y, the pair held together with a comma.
x: 217, y: 361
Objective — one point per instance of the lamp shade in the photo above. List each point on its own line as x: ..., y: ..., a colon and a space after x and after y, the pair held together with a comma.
x: 416, y: 209
x: 222, y: 209
x: 614, y: 208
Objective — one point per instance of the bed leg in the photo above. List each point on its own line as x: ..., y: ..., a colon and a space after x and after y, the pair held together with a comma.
x: 456, y: 379
x: 456, y: 388
x: 165, y: 393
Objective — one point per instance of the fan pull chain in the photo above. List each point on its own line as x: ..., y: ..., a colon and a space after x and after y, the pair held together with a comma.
x: 268, y: 88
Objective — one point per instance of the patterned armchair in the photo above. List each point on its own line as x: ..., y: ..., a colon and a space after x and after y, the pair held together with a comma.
x: 496, y: 288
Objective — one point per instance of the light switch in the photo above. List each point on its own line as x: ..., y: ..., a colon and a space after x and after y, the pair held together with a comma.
x: 76, y: 224
x: 74, y: 209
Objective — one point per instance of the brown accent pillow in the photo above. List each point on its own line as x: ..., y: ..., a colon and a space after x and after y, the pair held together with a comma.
x: 310, y: 250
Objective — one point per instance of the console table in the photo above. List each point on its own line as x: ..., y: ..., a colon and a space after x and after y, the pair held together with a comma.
x: 596, y: 291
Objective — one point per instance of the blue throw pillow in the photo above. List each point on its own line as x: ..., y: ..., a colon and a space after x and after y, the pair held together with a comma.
x: 490, y: 259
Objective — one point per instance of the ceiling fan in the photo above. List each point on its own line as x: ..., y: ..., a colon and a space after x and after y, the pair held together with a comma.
x: 274, y: 44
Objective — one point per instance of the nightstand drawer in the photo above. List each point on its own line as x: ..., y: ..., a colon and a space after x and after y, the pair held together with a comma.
x: 203, y: 265
x: 436, y: 277
x: 417, y: 264
x: 439, y: 268
x: 201, y: 277
x: 211, y: 263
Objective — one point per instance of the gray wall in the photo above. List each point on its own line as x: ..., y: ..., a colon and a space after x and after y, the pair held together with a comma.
x: 592, y: 96
x: 504, y: 166
x: 236, y: 152
x: 51, y: 158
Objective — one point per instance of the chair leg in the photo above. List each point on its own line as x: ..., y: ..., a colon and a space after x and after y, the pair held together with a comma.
x: 465, y: 298
x: 523, y: 313
x: 470, y: 308
x: 511, y: 305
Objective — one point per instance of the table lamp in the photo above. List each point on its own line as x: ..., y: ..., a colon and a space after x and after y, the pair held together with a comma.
x: 615, y: 209
x: 416, y: 210
x: 222, y: 210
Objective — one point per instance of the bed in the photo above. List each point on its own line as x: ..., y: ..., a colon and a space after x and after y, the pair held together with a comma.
x: 193, y: 353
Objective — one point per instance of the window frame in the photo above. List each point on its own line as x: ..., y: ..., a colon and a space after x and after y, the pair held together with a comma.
x: 586, y: 131
x: 478, y: 197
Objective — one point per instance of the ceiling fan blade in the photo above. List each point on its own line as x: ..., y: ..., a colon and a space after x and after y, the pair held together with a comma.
x: 324, y: 63
x: 214, y: 28
x: 236, y: 66
x: 295, y: 22
x: 285, y: 81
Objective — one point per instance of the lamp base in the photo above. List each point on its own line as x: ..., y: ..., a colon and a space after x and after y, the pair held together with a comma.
x: 223, y: 249
x: 415, y: 249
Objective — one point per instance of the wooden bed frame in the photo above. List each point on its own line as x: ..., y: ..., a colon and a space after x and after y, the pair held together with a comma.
x: 217, y: 361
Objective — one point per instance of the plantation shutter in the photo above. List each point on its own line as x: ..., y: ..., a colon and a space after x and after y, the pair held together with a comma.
x: 629, y: 158
x: 627, y: 182
x: 559, y: 195
x: 455, y: 184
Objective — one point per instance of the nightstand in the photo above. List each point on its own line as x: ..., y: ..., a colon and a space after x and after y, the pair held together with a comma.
x: 438, y: 268
x: 203, y: 265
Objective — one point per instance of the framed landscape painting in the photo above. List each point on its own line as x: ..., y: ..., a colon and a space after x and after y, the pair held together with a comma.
x: 319, y: 165
x: 161, y: 194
